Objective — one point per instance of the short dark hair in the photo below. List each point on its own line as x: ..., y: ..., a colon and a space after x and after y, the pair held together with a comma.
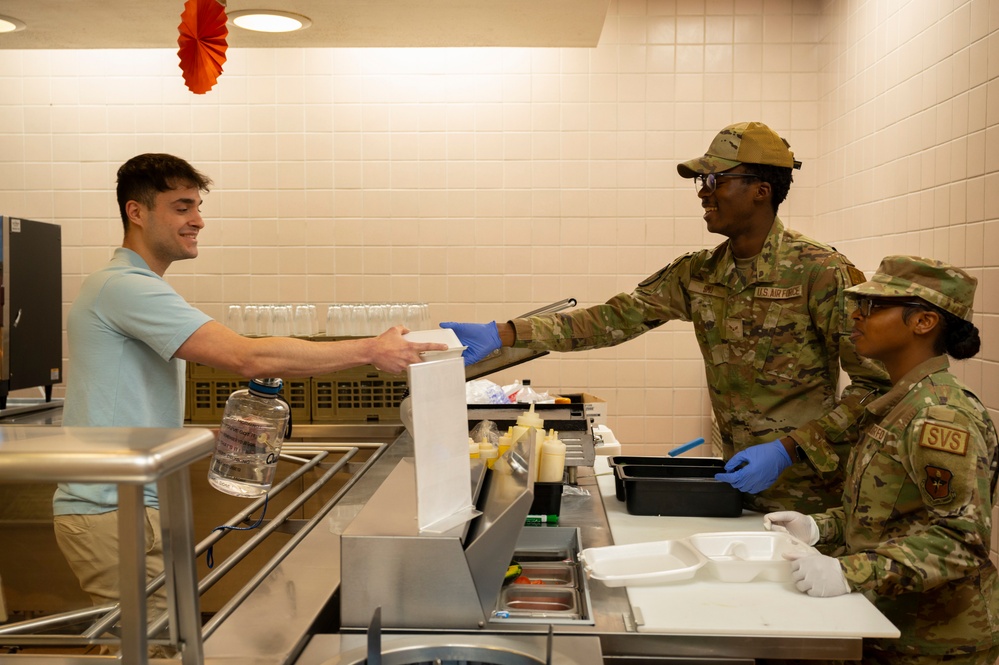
x: 779, y: 177
x: 144, y: 176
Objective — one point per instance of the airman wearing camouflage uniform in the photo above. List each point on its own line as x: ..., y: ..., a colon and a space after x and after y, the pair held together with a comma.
x: 772, y: 341
x: 771, y: 324
x: 917, y: 505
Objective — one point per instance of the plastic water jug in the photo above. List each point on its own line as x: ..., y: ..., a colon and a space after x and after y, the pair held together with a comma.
x: 254, y: 425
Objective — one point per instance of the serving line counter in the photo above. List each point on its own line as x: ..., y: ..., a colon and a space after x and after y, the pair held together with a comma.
x: 693, y: 620
x: 292, y: 614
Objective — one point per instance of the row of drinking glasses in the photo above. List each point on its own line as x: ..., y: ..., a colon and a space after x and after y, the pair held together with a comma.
x: 273, y: 320
x: 342, y: 320
x: 366, y: 320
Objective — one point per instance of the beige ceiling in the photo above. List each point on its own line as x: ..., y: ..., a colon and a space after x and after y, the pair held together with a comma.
x: 87, y: 24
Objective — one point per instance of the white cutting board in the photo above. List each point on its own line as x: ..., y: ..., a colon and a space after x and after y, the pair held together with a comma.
x: 704, y: 606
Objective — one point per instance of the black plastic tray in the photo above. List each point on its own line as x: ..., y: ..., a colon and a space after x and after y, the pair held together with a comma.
x: 680, y: 490
x: 651, y: 460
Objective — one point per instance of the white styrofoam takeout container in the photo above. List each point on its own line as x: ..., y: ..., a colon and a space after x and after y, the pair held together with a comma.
x: 735, y: 556
x: 437, y: 336
x: 742, y: 556
x: 642, y: 564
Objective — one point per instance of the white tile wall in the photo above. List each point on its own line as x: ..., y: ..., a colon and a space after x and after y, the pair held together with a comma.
x: 492, y: 181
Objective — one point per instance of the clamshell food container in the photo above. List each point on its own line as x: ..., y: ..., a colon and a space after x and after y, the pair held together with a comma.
x: 615, y: 461
x: 642, y: 564
x: 744, y: 556
x: 679, y: 490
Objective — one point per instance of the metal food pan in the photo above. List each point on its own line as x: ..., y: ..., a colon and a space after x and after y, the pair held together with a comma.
x: 539, y: 600
x: 548, y: 544
x: 550, y: 574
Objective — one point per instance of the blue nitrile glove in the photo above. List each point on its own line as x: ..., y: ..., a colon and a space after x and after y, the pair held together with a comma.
x: 817, y: 574
x: 480, y: 338
x: 763, y: 465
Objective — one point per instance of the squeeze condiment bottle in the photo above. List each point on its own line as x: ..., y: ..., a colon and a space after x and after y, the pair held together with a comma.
x: 488, y: 452
x: 505, y: 440
x: 473, y: 449
x: 552, y: 465
x: 527, y: 421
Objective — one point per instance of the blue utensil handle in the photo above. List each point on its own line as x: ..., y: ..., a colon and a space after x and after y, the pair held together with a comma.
x: 685, y: 447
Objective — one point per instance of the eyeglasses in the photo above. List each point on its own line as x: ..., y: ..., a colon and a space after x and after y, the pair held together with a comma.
x: 709, y: 182
x: 868, y: 305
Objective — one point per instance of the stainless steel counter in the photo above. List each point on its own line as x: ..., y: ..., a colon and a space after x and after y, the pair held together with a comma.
x: 31, y: 411
x: 292, y: 614
x: 304, y: 589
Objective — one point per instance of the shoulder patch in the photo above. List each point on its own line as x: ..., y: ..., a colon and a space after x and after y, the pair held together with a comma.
x: 937, y: 483
x: 943, y: 438
x: 856, y: 276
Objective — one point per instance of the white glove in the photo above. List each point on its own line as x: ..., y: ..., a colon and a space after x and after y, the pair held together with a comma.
x: 802, y: 527
x: 817, y: 574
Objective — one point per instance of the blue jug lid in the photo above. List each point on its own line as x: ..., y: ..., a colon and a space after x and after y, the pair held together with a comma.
x: 265, y: 387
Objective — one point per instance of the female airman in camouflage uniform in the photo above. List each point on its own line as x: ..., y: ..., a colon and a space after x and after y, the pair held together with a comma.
x: 917, y: 506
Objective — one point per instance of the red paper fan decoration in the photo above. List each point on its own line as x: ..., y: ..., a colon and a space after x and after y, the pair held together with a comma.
x: 202, y: 43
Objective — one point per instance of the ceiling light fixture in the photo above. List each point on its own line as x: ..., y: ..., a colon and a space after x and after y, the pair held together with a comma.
x: 8, y: 24
x: 269, y: 20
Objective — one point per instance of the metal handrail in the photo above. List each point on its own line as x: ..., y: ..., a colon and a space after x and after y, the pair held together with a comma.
x: 293, y: 542
x: 27, y: 633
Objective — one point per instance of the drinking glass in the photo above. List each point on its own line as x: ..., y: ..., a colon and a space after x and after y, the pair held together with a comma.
x: 425, y: 316
x: 397, y: 315
x: 358, y: 321
x: 234, y: 318
x: 413, y: 317
x: 282, y: 320
x: 313, y: 321
x: 250, y: 320
x: 377, y: 319
x: 303, y: 323
x: 265, y: 320
x: 335, y: 321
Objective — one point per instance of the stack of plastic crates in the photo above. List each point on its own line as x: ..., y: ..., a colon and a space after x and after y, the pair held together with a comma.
x: 361, y: 394
x: 209, y: 388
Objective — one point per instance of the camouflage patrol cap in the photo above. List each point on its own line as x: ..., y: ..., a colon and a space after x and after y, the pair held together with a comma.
x: 744, y: 142
x: 949, y: 288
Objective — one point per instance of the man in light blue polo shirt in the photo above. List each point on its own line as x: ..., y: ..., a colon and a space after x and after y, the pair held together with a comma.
x: 130, y: 335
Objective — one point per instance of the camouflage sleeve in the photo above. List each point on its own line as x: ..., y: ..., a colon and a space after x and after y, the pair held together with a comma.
x: 829, y: 311
x: 660, y: 298
x: 946, y: 459
x: 830, y: 525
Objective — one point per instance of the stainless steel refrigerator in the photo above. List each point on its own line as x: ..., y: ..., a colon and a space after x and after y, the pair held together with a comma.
x: 31, y: 299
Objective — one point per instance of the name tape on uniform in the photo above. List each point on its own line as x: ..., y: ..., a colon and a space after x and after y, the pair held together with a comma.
x: 776, y: 293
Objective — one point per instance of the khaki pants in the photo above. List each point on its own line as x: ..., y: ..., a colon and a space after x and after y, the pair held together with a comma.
x: 90, y: 545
